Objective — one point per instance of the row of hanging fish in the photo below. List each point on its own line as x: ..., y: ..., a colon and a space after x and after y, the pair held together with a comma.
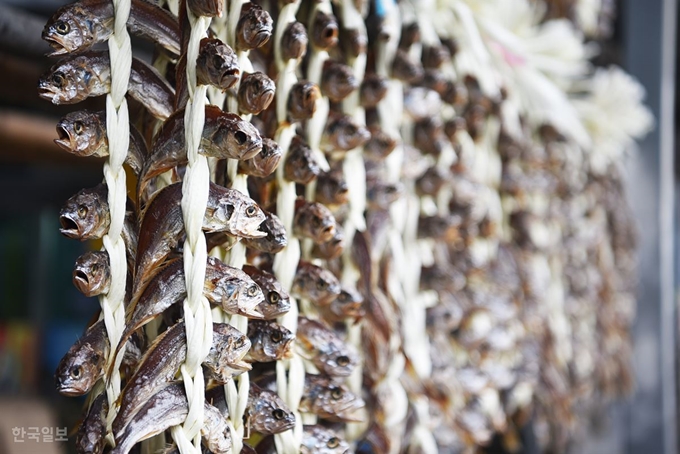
x: 521, y: 253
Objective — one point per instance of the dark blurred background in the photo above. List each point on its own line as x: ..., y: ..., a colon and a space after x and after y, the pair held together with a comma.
x: 42, y: 313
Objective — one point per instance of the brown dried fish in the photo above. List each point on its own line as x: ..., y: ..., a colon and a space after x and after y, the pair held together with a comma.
x: 325, y: 349
x: 343, y: 133
x: 83, y: 364
x: 318, y: 439
x: 300, y: 165
x: 265, y: 162
x: 92, y: 273
x: 216, y: 64
x: 255, y: 93
x: 78, y: 26
x: 254, y: 28
x: 91, y: 433
x: 211, y: 8
x: 329, y: 400
x: 315, y: 284
x: 349, y: 304
x: 294, y: 41
x: 314, y: 221
x: 83, y: 133
x: 275, y: 238
x: 302, y: 101
x: 379, y: 146
x: 373, y: 89
x: 337, y: 80
x: 332, y: 248
x: 405, y: 69
x: 80, y: 76
x: 332, y: 189
x: 269, y: 341
x: 324, y: 30
x: 276, y: 300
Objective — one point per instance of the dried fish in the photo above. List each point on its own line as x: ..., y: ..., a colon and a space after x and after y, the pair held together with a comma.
x: 322, y: 440
x: 343, y: 133
x: 83, y: 133
x: 270, y: 341
x: 92, y: 273
x: 265, y: 162
x: 332, y: 189
x: 91, y: 433
x: 254, y: 28
x: 373, y: 89
x: 78, y: 26
x: 332, y: 248
x: 324, y: 32
x: 302, y: 101
x: 294, y: 41
x: 83, y: 364
x: 274, y: 238
x: 315, y: 284
x: 211, y: 8
x: 276, y: 300
x: 337, y: 81
x: 255, y: 93
x: 314, y: 221
x: 325, y: 349
x: 80, y: 76
x: 325, y: 398
x: 300, y: 165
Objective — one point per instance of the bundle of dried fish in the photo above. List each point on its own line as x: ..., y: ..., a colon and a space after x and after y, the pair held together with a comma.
x: 353, y: 227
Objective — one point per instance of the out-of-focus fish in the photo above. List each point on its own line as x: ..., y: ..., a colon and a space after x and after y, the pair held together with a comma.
x: 228, y: 210
x: 269, y: 341
x: 83, y: 133
x: 300, y: 165
x: 313, y: 220
x: 315, y: 284
x: 254, y: 28
x: 439, y: 227
x: 381, y: 194
x: 325, y: 349
x: 332, y: 189
x: 294, y: 41
x: 167, y: 408
x: 211, y: 8
x: 276, y: 300
x: 329, y: 400
x: 373, y: 89
x: 405, y: 69
x: 83, y: 364
x: 353, y: 42
x: 255, y: 93
x: 275, y: 238
x: 343, y: 133
x: 379, y: 146
x: 265, y: 162
x: 322, y: 440
x: 92, y: 273
x: 332, y: 248
x: 216, y: 65
x: 302, y: 101
x: 225, y: 135
x: 266, y: 412
x: 164, y: 357
x: 349, y: 304
x: 86, y: 216
x: 337, y: 80
x: 324, y: 32
x: 91, y: 433
x: 229, y: 288
x: 80, y: 76
x: 78, y: 26
x: 435, y: 56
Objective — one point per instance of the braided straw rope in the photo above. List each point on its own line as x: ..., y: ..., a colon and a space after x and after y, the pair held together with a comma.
x: 197, y: 315
x: 118, y: 132
x: 289, y: 387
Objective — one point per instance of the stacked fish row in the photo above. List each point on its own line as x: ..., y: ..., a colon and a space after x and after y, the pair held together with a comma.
x: 415, y: 245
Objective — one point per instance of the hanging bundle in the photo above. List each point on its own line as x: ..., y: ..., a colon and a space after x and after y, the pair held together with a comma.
x: 374, y: 226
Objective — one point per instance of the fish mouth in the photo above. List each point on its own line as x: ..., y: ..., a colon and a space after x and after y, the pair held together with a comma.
x: 69, y: 227
x: 261, y: 37
x: 252, y: 313
x: 45, y: 91
x: 327, y: 233
x: 57, y: 45
x: 64, y: 140
x: 229, y: 77
x: 81, y: 281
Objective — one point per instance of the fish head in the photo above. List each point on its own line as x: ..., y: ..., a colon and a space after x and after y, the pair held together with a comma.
x: 254, y: 28
x: 323, y: 287
x: 68, y: 31
x: 78, y: 371
x: 81, y: 133
x: 217, y: 63
x: 294, y: 41
x: 92, y: 273
x: 270, y: 156
x: 275, y: 233
x: 216, y: 432
x: 325, y: 30
x: 66, y: 82
x: 333, y: 248
x: 256, y: 92
x: 85, y: 215
x: 238, y: 136
x: 268, y: 413
x: 338, y: 80
x: 247, y: 219
x: 302, y: 100
x: 315, y: 221
x: 321, y: 440
x: 276, y: 303
x: 348, y: 304
x: 345, y: 134
x: 332, y: 400
x: 336, y: 358
x: 271, y: 341
x: 229, y: 345
x: 380, y: 194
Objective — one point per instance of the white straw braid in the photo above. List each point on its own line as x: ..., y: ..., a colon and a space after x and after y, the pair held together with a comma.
x: 118, y: 132
x: 285, y: 262
x: 197, y: 315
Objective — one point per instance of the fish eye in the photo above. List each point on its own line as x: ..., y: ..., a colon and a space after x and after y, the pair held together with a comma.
x: 336, y: 393
x: 279, y: 414
x: 96, y: 268
x: 321, y: 284
x: 273, y: 297
x: 75, y: 372
x: 58, y: 79
x: 82, y: 211
x: 240, y: 137
x: 276, y: 337
x: 316, y: 221
x: 251, y: 211
x: 239, y: 342
x: 333, y: 442
x: 342, y: 360
x: 218, y: 60
x: 252, y: 290
x: 78, y: 127
x: 62, y: 27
